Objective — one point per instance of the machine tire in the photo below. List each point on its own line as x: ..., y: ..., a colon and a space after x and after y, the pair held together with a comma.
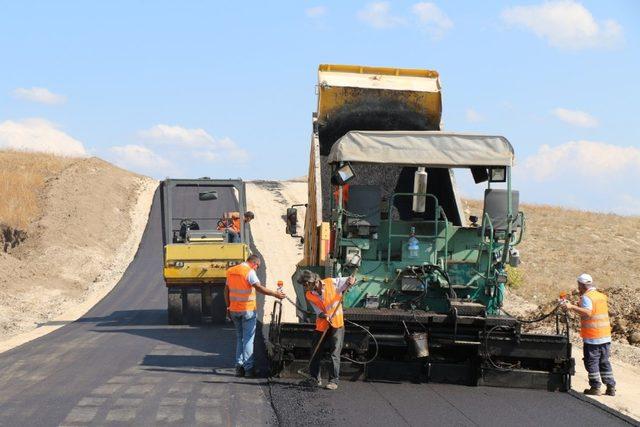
x: 193, y: 306
x: 174, y: 307
x: 218, y: 305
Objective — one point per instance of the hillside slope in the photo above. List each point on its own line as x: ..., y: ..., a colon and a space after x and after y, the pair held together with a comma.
x: 81, y: 233
x: 561, y: 243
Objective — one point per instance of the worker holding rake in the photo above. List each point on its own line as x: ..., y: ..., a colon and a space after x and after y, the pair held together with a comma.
x: 325, y: 297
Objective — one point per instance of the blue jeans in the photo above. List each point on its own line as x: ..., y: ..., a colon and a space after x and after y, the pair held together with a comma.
x: 596, y: 361
x: 234, y: 236
x: 245, y: 323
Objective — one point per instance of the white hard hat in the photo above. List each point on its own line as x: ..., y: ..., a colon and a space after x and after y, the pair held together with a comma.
x: 585, y: 279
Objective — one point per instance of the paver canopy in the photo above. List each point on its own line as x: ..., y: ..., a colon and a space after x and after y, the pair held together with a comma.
x: 422, y: 148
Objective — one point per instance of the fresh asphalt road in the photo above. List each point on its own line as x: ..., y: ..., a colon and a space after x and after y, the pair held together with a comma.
x: 121, y: 364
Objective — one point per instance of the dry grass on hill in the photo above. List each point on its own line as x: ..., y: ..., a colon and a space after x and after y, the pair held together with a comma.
x: 561, y: 243
x: 22, y: 177
x: 79, y: 220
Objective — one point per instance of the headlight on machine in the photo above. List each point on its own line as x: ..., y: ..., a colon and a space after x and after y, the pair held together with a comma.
x: 176, y: 264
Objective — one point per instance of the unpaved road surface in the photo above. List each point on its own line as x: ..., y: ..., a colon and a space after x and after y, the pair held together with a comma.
x: 121, y: 364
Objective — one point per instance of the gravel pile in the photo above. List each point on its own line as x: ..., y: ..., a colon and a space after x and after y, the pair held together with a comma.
x: 624, y: 313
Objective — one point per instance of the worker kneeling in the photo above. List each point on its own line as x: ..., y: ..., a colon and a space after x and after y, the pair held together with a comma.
x: 325, y: 297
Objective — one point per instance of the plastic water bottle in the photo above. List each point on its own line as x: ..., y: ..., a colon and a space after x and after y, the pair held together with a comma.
x: 280, y: 285
x: 414, y: 245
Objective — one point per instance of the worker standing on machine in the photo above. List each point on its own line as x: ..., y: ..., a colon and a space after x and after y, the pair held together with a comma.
x: 231, y: 223
x: 595, y: 331
x: 325, y: 297
x: 240, y: 296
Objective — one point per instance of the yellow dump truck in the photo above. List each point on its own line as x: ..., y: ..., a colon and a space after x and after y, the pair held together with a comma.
x: 197, y: 247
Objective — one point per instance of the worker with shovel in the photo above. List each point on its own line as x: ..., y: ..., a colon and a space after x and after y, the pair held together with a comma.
x: 325, y: 297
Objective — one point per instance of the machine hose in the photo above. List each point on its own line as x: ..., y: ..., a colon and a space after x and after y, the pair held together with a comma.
x: 504, y: 367
x: 375, y: 342
x: 536, y: 320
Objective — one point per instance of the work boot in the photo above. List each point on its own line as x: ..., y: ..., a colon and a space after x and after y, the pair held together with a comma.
x: 250, y: 373
x: 593, y: 391
x: 611, y: 390
x: 331, y: 386
x: 239, y: 371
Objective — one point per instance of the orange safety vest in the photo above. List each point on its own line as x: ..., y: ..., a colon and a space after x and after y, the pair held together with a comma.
x: 345, y: 194
x: 234, y: 225
x: 242, y: 296
x: 327, y: 304
x: 597, y: 325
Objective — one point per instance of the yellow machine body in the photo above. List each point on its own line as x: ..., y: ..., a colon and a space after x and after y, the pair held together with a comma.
x: 344, y: 85
x: 192, y: 263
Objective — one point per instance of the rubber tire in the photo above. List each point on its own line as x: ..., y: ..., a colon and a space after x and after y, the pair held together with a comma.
x: 218, y: 305
x: 193, y: 309
x: 175, y: 313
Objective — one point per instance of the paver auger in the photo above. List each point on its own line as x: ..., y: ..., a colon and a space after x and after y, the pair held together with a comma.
x: 431, y: 284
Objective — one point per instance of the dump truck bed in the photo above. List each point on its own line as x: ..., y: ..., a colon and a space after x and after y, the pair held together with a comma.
x: 352, y: 97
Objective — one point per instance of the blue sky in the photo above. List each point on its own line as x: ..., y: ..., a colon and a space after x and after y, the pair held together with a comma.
x: 227, y: 90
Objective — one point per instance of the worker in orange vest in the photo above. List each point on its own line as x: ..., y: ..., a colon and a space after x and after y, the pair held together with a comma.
x: 325, y: 297
x: 240, y: 296
x: 231, y: 223
x: 595, y: 331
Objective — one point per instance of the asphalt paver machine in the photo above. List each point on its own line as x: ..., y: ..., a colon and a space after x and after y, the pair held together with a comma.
x: 383, y: 205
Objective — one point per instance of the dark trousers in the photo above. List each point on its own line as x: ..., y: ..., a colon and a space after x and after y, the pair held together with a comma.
x: 596, y: 360
x: 233, y: 236
x: 334, y: 338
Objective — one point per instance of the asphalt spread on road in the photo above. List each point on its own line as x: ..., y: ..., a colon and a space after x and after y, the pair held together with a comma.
x: 121, y: 364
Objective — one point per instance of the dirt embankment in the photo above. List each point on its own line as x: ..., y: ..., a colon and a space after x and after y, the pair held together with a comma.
x: 87, y: 217
x: 269, y: 200
x: 561, y: 243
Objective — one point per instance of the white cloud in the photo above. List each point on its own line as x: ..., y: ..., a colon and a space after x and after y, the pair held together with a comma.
x: 139, y: 157
x: 378, y: 15
x: 316, y: 11
x: 224, y: 149
x: 582, y: 159
x: 473, y: 116
x: 39, y: 94
x: 565, y: 24
x: 168, y: 134
x: 576, y: 118
x: 39, y: 135
x: 199, y: 143
x: 431, y: 19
